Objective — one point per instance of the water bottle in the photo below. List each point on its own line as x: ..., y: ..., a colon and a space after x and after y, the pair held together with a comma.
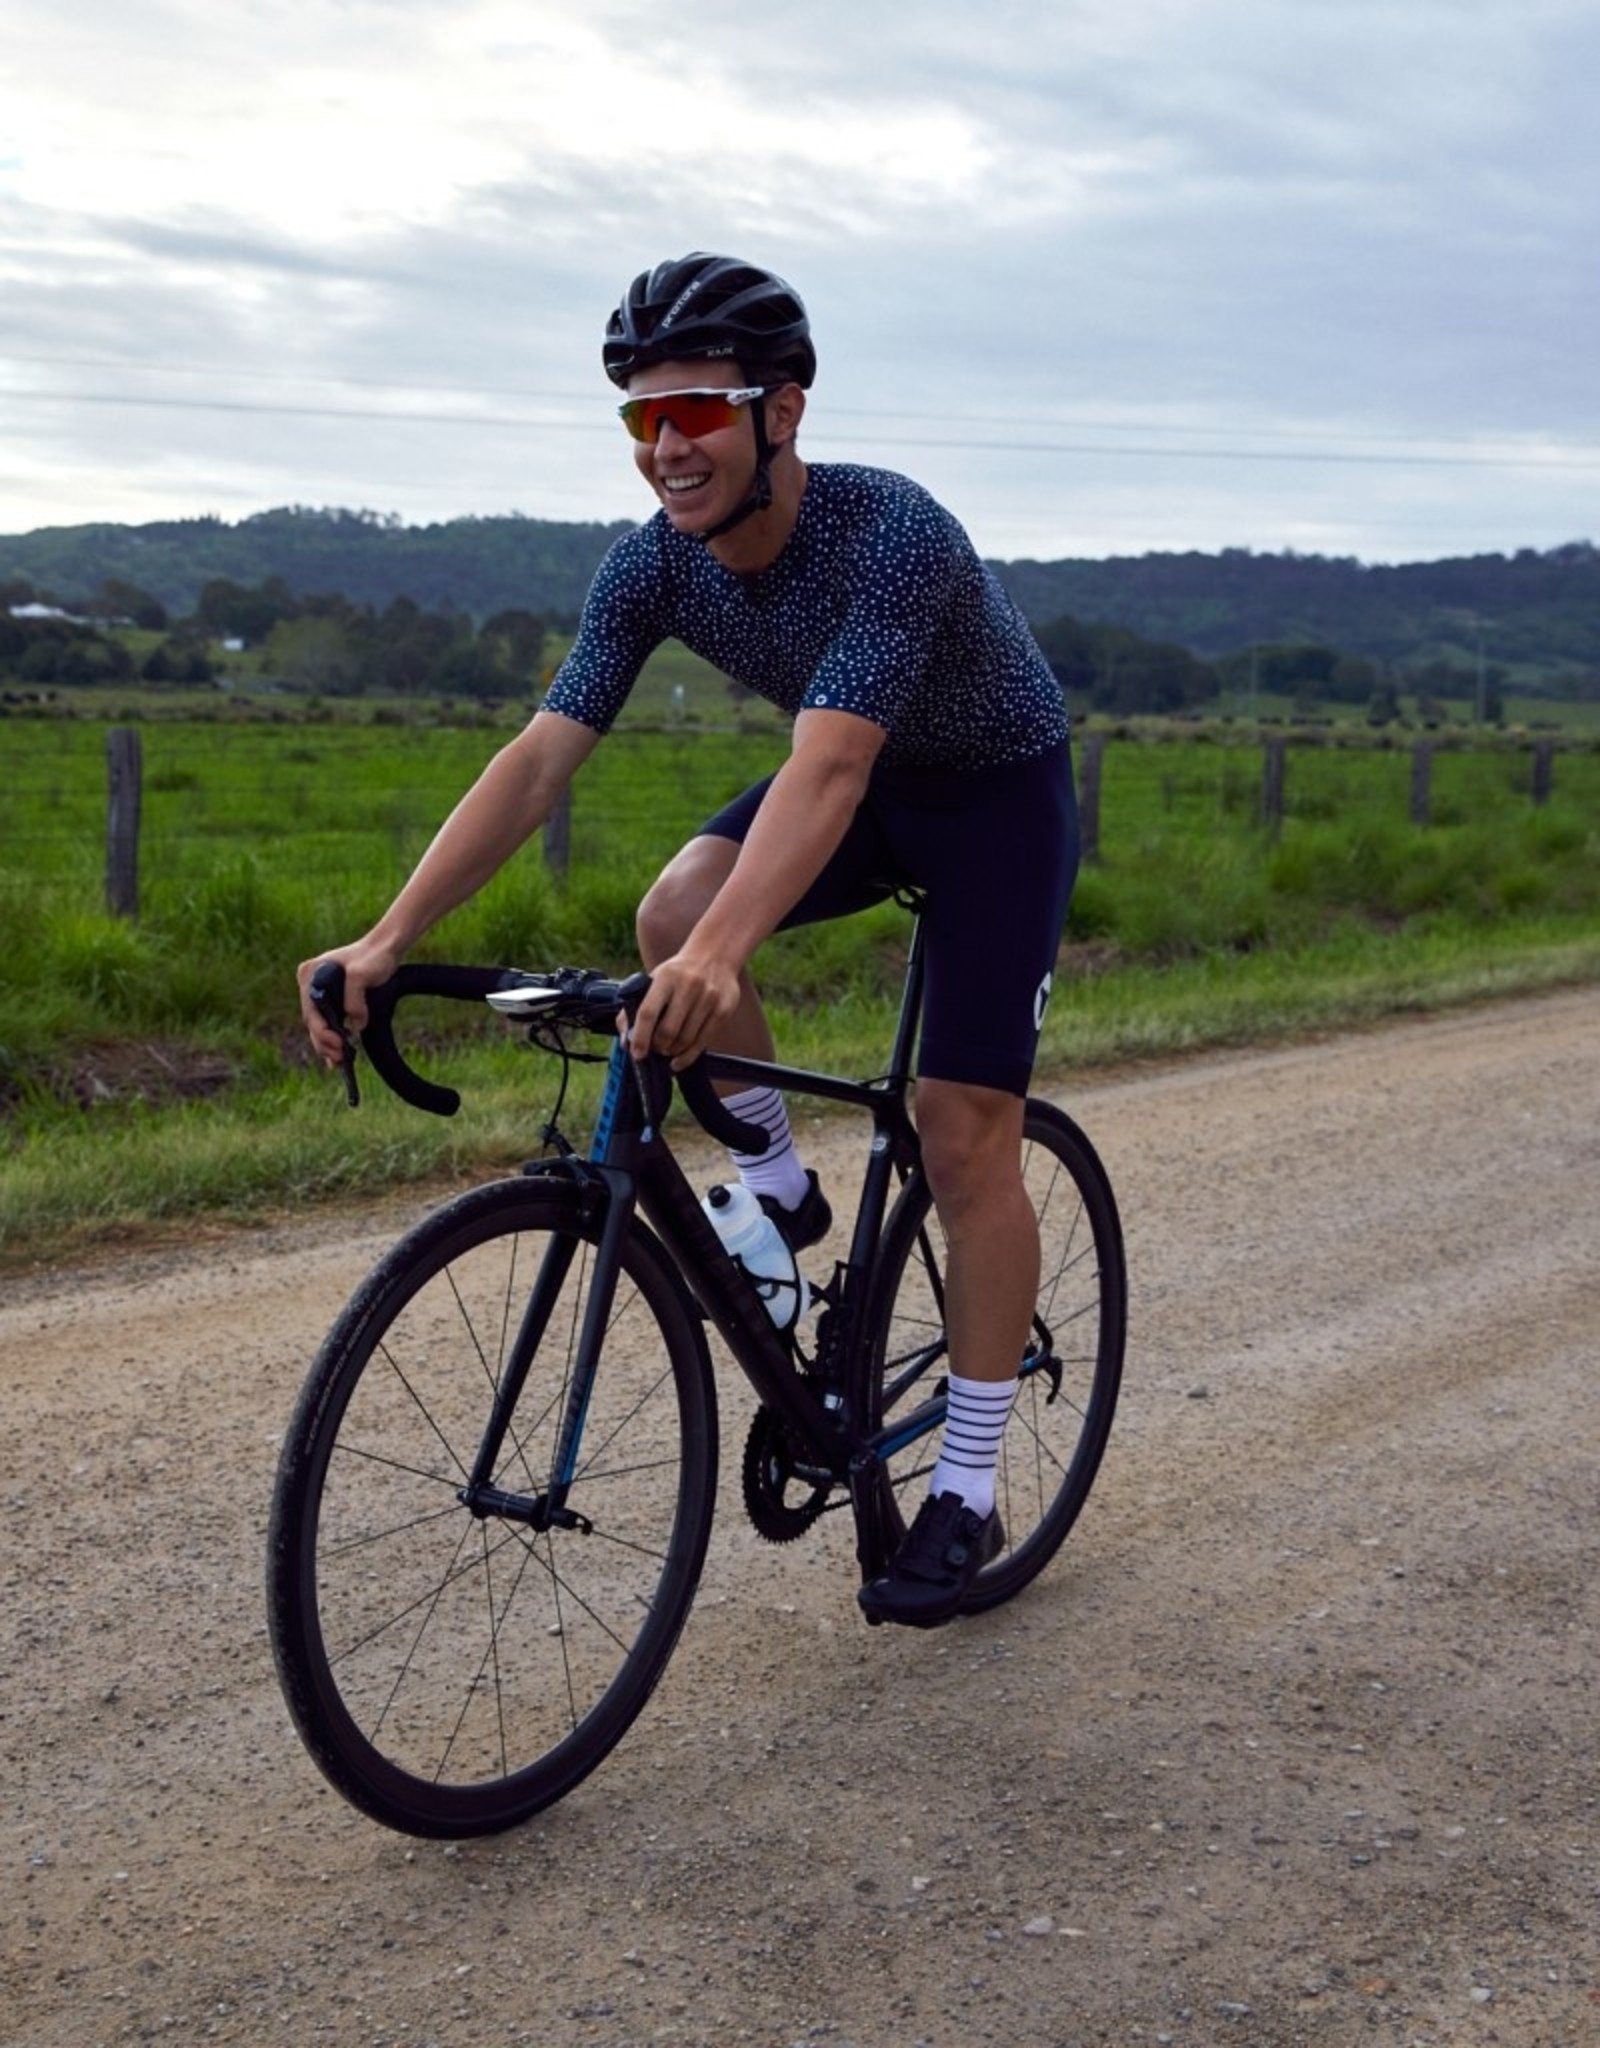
x: 750, y: 1236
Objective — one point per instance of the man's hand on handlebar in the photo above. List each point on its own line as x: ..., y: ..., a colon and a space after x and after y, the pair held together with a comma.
x: 690, y: 999
x: 365, y: 965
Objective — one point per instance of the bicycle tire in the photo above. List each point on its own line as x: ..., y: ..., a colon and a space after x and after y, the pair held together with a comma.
x: 1056, y: 1436
x: 452, y: 1676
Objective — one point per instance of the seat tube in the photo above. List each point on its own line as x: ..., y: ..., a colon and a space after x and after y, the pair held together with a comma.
x: 905, y: 1035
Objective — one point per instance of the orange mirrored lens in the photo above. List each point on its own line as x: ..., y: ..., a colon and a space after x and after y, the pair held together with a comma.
x: 693, y: 413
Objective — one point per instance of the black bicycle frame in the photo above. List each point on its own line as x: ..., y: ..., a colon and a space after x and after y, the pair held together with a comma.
x: 630, y: 1164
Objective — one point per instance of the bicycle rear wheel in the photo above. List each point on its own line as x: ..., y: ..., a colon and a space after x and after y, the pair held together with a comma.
x: 451, y: 1675
x: 1070, y: 1372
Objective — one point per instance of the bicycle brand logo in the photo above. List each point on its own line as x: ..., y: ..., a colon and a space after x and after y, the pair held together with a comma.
x: 600, y: 1144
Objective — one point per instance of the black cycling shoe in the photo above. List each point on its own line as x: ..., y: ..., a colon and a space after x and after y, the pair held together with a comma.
x: 931, y: 1573
x: 808, y: 1224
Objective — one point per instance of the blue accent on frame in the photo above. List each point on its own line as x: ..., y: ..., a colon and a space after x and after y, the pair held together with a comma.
x: 615, y: 1074
x: 892, y: 1444
x: 569, y: 1464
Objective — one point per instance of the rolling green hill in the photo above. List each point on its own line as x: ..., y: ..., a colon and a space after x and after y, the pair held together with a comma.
x: 1531, y: 611
x: 1534, y: 608
x: 480, y: 566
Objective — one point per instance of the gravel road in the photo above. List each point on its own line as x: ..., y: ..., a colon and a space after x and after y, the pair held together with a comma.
x: 1295, y: 1742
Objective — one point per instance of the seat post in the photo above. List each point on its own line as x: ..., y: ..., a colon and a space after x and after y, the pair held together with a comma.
x: 905, y: 1035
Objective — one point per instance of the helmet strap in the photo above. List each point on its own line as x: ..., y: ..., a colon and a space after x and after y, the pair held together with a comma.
x: 759, y: 496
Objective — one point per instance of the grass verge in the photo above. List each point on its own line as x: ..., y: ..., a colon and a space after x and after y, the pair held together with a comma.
x: 72, y: 1180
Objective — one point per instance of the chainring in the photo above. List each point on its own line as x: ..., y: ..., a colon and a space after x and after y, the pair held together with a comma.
x: 784, y: 1492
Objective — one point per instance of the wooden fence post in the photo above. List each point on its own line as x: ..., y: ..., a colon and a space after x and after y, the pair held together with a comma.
x: 1272, y: 778
x: 1094, y: 747
x: 558, y: 837
x: 1422, y: 783
x: 1544, y: 770
x: 124, y: 779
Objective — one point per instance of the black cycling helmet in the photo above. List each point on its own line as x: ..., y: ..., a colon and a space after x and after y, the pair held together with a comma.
x: 711, y: 306
x: 708, y: 307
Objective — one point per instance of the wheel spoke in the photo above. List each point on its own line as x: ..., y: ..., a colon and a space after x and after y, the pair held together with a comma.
x: 395, y: 1529
x: 430, y: 1608
x: 344, y: 1450
x: 423, y: 1410
x: 605, y: 1444
x: 430, y: 1600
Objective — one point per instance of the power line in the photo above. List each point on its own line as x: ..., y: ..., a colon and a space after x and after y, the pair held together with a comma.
x: 256, y: 375
x: 590, y: 398
x: 512, y: 422
x: 598, y: 412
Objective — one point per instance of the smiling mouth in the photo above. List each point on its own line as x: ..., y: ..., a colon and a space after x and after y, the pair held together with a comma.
x: 676, y: 486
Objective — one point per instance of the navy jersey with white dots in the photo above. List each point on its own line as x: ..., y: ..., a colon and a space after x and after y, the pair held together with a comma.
x: 878, y: 605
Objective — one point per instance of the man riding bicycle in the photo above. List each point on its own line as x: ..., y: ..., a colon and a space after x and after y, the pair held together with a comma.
x: 930, y: 749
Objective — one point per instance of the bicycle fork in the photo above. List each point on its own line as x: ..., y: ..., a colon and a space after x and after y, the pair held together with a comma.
x: 548, y: 1510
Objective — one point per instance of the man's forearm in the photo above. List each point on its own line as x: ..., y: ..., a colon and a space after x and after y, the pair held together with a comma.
x: 802, y: 819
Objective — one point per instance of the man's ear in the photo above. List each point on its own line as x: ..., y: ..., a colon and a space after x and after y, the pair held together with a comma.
x: 785, y: 410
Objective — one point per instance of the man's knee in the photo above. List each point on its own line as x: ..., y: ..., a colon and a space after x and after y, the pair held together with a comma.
x: 680, y: 896
x: 971, y: 1141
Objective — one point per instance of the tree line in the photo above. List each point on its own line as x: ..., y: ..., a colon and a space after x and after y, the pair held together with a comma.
x: 327, y: 644
x: 333, y: 646
x: 476, y: 565
x: 1110, y: 669
x: 1531, y: 608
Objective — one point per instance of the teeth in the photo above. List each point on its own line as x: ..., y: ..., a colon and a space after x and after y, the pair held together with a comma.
x: 684, y: 483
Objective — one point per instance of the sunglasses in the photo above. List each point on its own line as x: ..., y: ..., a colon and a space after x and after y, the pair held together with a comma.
x: 692, y: 413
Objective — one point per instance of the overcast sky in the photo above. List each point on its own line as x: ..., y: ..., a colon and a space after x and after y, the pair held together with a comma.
x: 1108, y: 275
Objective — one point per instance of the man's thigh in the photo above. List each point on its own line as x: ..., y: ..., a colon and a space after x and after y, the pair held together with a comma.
x: 861, y: 870
x: 997, y: 861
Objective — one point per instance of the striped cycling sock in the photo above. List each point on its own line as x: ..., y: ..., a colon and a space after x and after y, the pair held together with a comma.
x: 777, y: 1171
x: 973, y: 1427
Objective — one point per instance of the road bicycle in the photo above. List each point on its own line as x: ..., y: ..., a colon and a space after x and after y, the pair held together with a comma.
x: 496, y: 1491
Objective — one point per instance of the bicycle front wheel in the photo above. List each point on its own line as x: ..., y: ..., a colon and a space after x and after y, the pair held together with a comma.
x: 1071, y: 1368
x: 453, y: 1673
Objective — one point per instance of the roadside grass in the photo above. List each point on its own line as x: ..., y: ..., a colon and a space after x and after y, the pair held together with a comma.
x: 71, y: 1180
x: 154, y: 1071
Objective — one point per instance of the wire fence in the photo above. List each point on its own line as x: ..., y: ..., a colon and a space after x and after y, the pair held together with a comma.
x: 102, y: 814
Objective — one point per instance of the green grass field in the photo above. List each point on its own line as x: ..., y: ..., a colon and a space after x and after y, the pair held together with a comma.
x: 264, y: 841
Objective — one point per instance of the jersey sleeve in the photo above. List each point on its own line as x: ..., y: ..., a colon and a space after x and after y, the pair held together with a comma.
x: 904, y: 565
x: 622, y: 623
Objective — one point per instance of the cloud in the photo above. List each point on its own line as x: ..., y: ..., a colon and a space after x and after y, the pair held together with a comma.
x: 1196, y: 223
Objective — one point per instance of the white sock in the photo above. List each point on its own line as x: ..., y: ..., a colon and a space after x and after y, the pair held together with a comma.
x: 777, y: 1171
x: 973, y: 1427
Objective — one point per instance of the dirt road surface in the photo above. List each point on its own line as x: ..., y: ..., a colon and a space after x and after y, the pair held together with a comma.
x: 1294, y: 1743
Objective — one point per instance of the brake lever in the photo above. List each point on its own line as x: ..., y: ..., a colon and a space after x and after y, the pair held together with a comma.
x: 327, y: 999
